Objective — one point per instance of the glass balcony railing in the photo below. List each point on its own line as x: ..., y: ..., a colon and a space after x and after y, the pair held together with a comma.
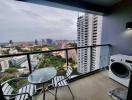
x: 82, y: 59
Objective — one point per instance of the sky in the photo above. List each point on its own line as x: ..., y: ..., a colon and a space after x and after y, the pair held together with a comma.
x: 20, y: 21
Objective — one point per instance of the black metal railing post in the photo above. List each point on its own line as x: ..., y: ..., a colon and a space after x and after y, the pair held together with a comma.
x: 29, y: 63
x: 66, y: 52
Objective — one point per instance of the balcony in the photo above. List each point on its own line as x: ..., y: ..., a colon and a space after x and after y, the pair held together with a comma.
x: 94, y: 87
x: 87, y: 84
x: 85, y: 81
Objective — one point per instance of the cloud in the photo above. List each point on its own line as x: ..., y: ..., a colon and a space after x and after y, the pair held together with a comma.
x: 22, y: 21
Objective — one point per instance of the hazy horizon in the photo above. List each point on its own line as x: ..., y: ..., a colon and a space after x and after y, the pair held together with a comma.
x: 39, y: 40
x: 22, y: 21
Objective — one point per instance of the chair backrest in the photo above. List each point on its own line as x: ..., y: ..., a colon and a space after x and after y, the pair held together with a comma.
x: 7, y: 89
x: 69, y: 71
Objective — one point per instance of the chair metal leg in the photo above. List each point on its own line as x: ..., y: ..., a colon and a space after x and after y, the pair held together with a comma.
x: 56, y: 93
x: 30, y: 98
x: 70, y: 91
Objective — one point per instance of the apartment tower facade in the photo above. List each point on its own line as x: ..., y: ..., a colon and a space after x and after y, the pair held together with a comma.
x: 89, y: 29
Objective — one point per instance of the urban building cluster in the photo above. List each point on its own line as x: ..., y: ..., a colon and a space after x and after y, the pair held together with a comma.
x: 21, y: 63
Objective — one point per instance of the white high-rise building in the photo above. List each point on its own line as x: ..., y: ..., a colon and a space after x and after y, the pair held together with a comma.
x: 89, y: 28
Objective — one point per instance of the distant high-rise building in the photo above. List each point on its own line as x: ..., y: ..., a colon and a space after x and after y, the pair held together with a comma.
x: 10, y: 42
x: 43, y: 42
x: 49, y: 41
x: 89, y: 28
x: 36, y: 42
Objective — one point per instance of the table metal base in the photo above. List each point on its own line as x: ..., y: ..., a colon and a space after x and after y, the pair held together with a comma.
x: 44, y: 91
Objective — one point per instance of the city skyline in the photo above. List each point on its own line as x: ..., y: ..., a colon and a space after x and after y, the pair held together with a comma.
x: 22, y: 22
x: 33, y: 40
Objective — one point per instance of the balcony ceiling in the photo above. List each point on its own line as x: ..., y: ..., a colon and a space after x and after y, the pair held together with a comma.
x: 105, y: 3
x: 103, y: 6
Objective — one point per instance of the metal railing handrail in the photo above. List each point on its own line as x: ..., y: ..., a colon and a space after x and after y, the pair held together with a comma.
x: 37, y: 52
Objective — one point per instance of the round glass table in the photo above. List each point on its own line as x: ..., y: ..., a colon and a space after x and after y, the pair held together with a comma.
x: 42, y: 76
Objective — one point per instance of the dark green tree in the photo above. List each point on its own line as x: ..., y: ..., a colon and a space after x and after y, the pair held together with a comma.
x: 11, y: 70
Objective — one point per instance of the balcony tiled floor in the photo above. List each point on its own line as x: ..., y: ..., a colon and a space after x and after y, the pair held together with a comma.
x: 94, y: 87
